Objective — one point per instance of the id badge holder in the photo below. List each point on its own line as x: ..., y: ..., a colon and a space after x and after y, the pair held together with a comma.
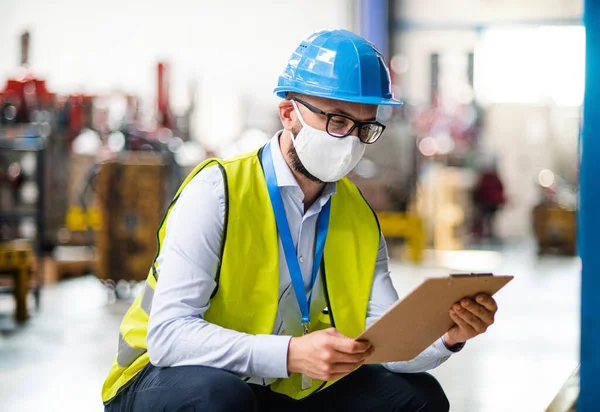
x: 306, y: 381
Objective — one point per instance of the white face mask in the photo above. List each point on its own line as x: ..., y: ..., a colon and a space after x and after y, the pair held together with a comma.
x: 326, y: 157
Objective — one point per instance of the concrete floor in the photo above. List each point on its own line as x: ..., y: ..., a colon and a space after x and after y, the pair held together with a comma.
x: 58, y: 361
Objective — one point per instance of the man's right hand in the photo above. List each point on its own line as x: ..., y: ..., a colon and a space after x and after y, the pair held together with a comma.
x: 326, y: 355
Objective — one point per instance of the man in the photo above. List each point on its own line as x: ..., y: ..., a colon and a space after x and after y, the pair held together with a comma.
x: 488, y: 198
x: 271, y: 262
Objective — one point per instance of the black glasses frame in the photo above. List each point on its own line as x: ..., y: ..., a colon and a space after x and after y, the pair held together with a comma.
x: 356, y: 123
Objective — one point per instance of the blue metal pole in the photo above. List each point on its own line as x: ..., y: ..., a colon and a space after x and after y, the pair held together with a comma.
x: 589, y: 216
x: 374, y: 24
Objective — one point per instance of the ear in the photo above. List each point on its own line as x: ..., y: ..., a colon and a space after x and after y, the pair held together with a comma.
x: 287, y: 114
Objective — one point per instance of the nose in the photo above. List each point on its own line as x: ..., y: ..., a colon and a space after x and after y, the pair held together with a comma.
x: 355, y: 132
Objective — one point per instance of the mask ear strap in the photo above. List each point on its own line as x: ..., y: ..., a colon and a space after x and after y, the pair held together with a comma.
x: 298, y: 113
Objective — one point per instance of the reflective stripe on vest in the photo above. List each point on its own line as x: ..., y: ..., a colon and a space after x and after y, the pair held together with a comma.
x: 250, y: 263
x: 127, y: 355
x: 147, y: 296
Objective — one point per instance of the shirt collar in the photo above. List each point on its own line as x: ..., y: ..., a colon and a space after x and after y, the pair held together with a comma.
x: 284, y: 175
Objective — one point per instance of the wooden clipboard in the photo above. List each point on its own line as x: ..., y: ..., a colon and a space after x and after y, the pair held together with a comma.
x: 417, y: 321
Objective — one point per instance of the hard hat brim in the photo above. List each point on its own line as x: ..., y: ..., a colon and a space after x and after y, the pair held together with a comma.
x: 375, y: 100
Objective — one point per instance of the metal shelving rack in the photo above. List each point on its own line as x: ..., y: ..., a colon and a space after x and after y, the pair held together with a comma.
x: 36, y: 145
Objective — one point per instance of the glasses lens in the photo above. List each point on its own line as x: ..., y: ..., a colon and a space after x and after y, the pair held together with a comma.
x: 369, y: 133
x: 339, y: 126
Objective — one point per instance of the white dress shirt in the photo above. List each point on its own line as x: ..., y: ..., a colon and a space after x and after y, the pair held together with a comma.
x: 177, y: 333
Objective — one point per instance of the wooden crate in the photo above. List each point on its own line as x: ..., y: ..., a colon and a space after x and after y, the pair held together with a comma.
x: 132, y: 198
x: 68, y: 262
x: 555, y: 229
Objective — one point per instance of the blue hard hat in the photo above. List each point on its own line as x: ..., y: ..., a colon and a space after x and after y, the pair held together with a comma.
x: 338, y: 64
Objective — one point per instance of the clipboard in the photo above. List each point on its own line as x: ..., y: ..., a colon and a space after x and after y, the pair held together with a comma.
x: 417, y: 321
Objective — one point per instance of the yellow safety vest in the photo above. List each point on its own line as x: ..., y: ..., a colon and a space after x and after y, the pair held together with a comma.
x: 248, y: 275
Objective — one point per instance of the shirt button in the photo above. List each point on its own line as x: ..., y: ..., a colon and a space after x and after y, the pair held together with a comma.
x: 299, y: 195
x: 301, y: 259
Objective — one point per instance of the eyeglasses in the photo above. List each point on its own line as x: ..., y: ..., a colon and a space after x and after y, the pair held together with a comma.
x: 339, y: 125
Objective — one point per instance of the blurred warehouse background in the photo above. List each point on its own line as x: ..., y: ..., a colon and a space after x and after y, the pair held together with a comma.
x: 106, y: 106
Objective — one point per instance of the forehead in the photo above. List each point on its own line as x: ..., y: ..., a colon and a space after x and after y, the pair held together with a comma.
x: 356, y: 110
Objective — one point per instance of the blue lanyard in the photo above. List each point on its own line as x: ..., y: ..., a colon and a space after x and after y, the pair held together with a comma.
x: 287, y: 242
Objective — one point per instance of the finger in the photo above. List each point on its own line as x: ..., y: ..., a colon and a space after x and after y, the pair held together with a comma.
x: 343, y: 357
x: 333, y: 332
x: 347, y: 345
x: 463, y: 325
x: 329, y: 372
x: 339, y: 370
x: 487, y: 302
x: 342, y: 343
x: 478, y: 310
x: 343, y: 367
x: 333, y: 356
x: 473, y: 321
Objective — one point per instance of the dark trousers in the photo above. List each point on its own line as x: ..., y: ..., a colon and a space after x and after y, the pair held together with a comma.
x: 198, y: 388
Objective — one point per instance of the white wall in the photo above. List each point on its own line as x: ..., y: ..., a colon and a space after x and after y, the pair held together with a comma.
x: 234, y: 47
x: 456, y: 11
x: 448, y: 27
x: 418, y: 45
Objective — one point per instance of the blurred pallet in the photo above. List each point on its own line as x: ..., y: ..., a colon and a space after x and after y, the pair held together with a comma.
x: 68, y: 262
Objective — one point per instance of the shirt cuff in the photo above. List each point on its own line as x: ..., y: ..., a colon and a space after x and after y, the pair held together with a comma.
x: 452, y: 349
x: 269, y: 356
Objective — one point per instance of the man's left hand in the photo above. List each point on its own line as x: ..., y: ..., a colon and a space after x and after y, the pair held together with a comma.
x: 472, y: 317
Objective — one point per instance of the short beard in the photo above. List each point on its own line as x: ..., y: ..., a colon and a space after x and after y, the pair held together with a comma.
x: 297, y: 165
